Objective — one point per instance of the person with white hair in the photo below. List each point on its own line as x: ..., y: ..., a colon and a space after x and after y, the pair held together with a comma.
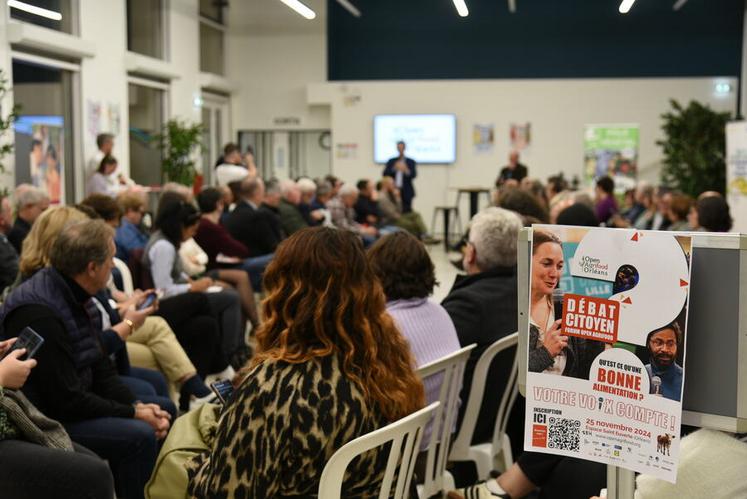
x: 483, y: 305
x: 31, y: 201
x: 308, y: 192
x: 342, y: 211
x: 291, y: 218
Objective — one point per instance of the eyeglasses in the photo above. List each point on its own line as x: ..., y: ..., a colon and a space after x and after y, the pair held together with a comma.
x: 657, y: 343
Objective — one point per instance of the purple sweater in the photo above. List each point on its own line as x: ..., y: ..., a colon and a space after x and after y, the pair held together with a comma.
x: 428, y: 328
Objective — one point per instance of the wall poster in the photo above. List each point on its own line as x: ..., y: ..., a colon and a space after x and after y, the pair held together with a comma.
x: 611, y: 150
x: 42, y: 138
x: 608, y: 321
x: 483, y: 138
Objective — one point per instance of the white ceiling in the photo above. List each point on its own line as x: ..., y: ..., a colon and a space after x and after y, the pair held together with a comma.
x: 273, y: 16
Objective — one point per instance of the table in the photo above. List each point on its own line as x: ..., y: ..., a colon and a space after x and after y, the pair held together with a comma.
x: 474, y: 197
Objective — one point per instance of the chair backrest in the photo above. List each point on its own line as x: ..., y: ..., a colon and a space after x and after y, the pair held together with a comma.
x: 124, y: 271
x: 404, y: 436
x: 461, y: 444
x: 451, y: 370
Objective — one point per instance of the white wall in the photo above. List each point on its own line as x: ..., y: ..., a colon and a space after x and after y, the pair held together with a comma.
x: 556, y: 109
x: 271, y: 73
x: 103, y: 78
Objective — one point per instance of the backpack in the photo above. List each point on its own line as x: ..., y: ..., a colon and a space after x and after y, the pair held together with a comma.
x: 188, y: 437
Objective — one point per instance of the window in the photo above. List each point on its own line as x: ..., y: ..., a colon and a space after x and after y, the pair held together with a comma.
x: 147, y: 110
x: 44, y: 128
x: 145, y: 33
x: 212, y: 31
x: 52, y: 14
x: 215, y: 132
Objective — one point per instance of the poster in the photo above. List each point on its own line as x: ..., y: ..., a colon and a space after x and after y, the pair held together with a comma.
x: 43, y: 137
x: 736, y: 173
x: 608, y: 310
x: 611, y: 150
x: 103, y: 118
x: 520, y: 136
x: 483, y: 138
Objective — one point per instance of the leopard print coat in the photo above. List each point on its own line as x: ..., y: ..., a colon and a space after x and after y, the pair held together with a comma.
x: 278, y: 431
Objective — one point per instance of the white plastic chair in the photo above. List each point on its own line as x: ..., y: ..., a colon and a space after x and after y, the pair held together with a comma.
x: 451, y: 368
x: 496, y: 454
x: 404, y: 435
x: 124, y: 271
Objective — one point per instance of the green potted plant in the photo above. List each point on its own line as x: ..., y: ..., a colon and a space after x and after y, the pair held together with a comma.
x: 694, y: 148
x: 6, y: 125
x: 178, y: 141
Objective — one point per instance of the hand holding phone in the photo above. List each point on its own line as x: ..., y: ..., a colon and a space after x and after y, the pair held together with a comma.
x: 149, y: 300
x: 222, y: 389
x: 28, y: 339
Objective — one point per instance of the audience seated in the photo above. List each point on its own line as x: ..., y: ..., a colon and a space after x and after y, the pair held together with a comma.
x: 74, y: 381
x: 390, y: 209
x: 8, y: 255
x: 711, y: 214
x: 216, y: 240
x: 105, y: 145
x: 342, y: 212
x: 320, y: 214
x: 679, y: 209
x: 150, y: 341
x: 367, y: 206
x: 129, y: 234
x: 231, y: 168
x: 606, y: 205
x: 483, y: 307
x: 250, y: 225
x: 344, y: 368
x: 307, y: 187
x: 270, y: 208
x: 103, y: 181
x: 31, y: 201
x: 522, y: 202
x: 291, y: 218
x: 406, y: 272
x: 177, y: 222
x: 36, y: 463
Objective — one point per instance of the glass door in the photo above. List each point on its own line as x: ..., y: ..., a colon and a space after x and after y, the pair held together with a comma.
x: 215, y: 133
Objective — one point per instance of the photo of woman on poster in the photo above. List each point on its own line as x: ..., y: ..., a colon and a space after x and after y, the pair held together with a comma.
x: 550, y: 351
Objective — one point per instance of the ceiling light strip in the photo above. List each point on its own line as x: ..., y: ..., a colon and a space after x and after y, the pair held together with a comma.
x: 461, y: 8
x: 33, y: 9
x: 350, y: 7
x: 300, y: 8
x: 625, y: 6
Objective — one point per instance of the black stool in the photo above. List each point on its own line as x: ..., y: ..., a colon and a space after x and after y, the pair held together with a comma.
x: 447, y: 211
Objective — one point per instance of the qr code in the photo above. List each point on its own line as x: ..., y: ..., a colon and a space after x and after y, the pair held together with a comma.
x: 563, y: 434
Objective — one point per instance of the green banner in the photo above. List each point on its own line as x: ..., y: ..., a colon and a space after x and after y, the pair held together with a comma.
x: 611, y: 150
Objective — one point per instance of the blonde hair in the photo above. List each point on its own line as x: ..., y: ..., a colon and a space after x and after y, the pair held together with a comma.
x: 130, y: 201
x: 38, y: 244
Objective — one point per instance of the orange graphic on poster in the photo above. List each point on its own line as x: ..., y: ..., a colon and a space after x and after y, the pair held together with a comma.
x: 591, y: 318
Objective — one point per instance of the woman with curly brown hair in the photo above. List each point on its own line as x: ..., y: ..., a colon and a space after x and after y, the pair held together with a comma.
x: 330, y: 366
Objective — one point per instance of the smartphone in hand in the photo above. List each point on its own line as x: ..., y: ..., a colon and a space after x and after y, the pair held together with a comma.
x: 149, y: 300
x: 28, y: 339
x: 222, y: 389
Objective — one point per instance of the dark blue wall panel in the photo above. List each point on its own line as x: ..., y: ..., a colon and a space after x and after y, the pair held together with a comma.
x: 426, y: 39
